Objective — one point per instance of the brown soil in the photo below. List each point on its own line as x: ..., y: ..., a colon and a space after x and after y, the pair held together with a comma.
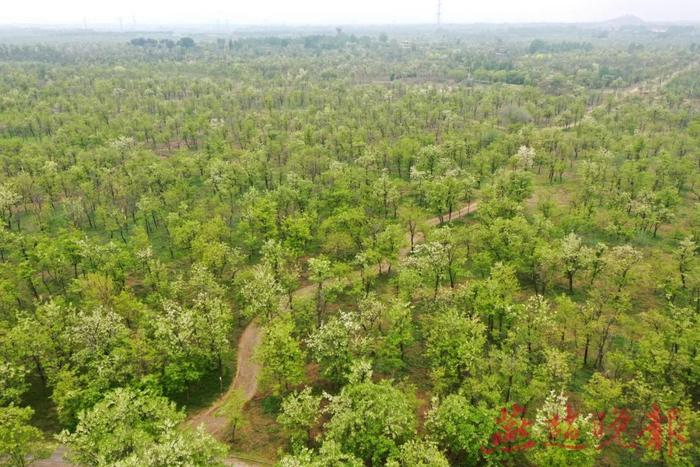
x: 245, y: 383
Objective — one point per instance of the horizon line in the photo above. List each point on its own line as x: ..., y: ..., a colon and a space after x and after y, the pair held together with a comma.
x: 229, y: 24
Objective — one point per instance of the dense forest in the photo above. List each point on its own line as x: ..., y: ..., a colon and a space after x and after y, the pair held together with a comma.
x: 351, y: 248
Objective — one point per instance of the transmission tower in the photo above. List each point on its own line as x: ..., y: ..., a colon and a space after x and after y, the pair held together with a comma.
x: 439, y: 12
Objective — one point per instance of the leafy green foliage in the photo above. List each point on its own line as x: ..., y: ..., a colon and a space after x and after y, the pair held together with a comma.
x: 132, y: 428
x: 18, y: 438
x: 299, y: 414
x: 370, y: 420
x: 460, y: 428
x: 232, y: 410
x: 418, y: 453
x: 280, y: 355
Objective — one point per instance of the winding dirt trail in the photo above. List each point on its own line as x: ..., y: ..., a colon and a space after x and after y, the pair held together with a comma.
x: 247, y: 369
x: 245, y: 382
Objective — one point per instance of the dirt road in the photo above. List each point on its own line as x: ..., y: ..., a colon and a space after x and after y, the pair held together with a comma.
x: 245, y: 382
x: 247, y: 369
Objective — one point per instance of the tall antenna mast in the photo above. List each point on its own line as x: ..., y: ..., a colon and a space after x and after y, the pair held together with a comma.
x: 439, y: 12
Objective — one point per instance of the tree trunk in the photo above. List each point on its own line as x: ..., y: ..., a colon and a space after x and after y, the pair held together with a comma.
x: 319, y: 306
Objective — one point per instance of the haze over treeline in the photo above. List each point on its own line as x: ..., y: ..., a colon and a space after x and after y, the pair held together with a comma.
x: 159, y: 12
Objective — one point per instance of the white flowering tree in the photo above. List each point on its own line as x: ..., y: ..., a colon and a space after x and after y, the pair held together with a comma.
x: 619, y: 261
x: 336, y: 344
x: 535, y: 321
x: 213, y: 323
x: 525, y: 158
x: 564, y: 437
x: 371, y: 420
x: 428, y: 261
x: 262, y: 294
x: 281, y: 261
x: 8, y: 200
x: 18, y: 438
x: 129, y: 428
x: 13, y: 382
x: 418, y: 453
x: 460, y: 428
x: 574, y: 256
x: 194, y: 328
x: 330, y: 454
x: 686, y: 254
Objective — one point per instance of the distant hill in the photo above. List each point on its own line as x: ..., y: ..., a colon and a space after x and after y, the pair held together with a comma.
x: 626, y: 20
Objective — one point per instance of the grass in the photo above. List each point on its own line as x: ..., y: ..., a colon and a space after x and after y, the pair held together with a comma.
x: 260, y: 438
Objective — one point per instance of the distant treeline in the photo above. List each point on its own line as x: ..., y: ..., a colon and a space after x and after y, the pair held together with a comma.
x: 316, y: 42
x: 186, y: 42
x: 539, y: 46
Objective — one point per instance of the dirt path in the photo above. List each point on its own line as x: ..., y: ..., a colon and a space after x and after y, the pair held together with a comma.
x: 245, y: 382
x: 247, y: 370
x: 246, y: 379
x: 56, y: 459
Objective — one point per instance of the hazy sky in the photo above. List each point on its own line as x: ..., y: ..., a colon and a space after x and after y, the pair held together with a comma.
x: 337, y: 11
